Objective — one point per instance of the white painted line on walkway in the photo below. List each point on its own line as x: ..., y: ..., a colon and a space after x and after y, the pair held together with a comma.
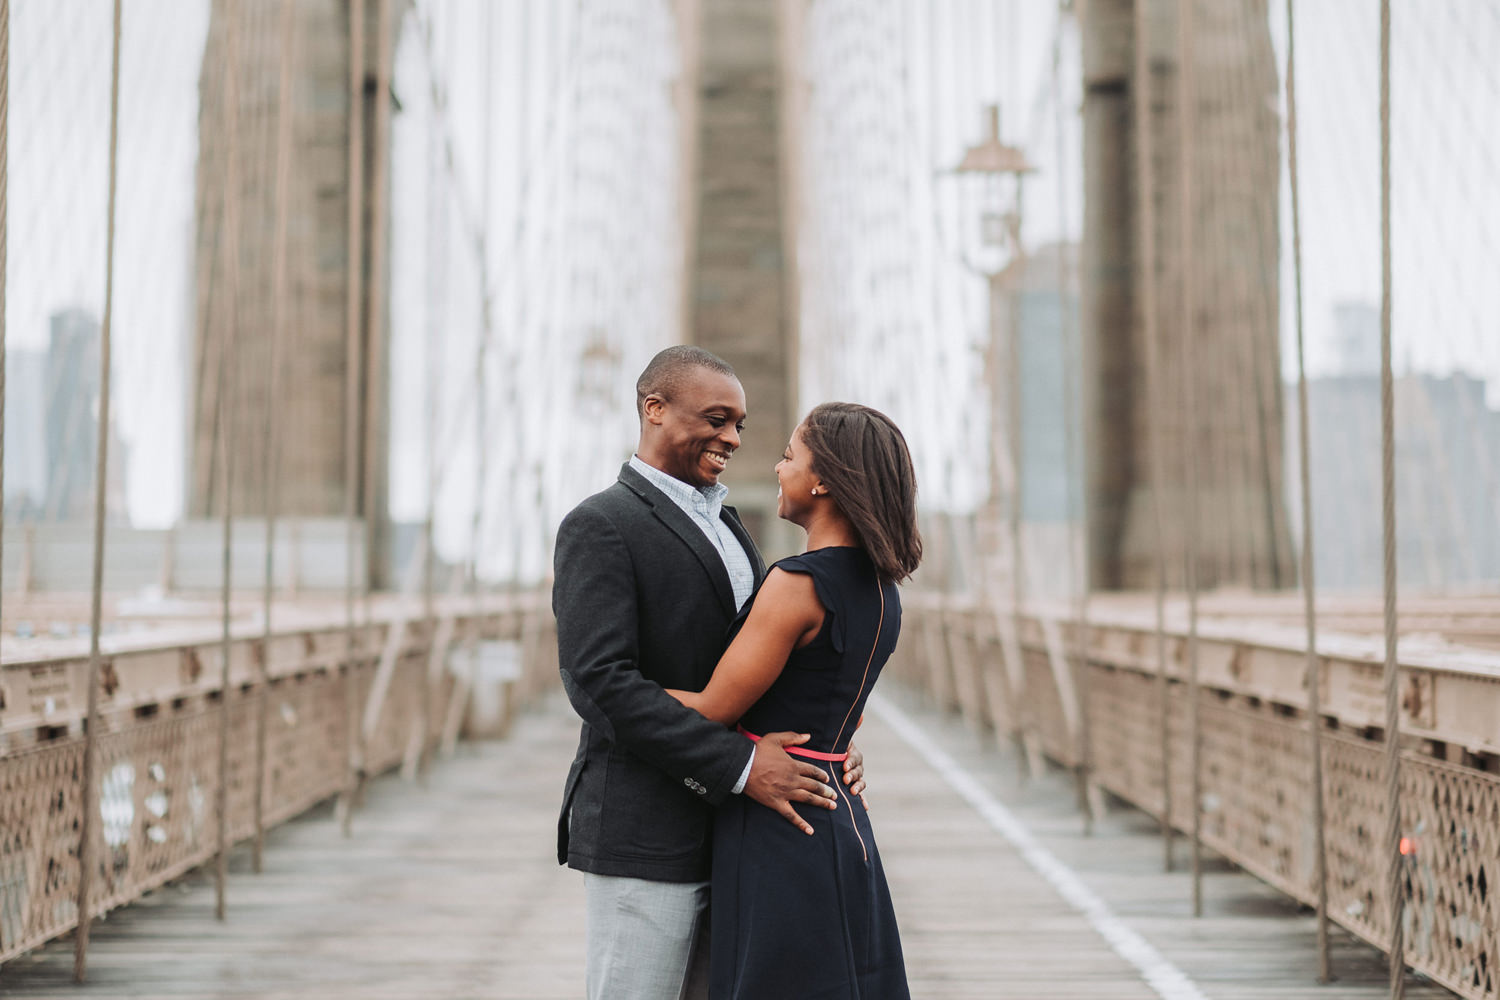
x: 1169, y: 982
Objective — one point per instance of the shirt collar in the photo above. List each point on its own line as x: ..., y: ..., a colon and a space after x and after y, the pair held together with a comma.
x: 707, y: 500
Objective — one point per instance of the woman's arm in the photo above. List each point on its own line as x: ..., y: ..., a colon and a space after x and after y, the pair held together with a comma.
x: 786, y: 614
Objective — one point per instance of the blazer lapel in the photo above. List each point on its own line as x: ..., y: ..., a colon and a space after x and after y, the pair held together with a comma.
x: 671, y: 515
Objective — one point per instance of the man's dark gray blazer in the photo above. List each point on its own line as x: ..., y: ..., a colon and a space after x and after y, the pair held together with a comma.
x: 643, y: 603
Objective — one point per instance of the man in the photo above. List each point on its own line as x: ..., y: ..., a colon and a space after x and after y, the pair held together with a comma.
x: 649, y: 574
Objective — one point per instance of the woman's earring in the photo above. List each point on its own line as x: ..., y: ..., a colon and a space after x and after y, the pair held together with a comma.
x: 815, y: 491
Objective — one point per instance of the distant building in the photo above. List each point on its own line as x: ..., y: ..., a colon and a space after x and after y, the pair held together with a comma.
x: 1356, y: 338
x: 1447, y: 486
x: 72, y: 394
x: 25, y: 441
x: 71, y: 409
x: 1049, y: 317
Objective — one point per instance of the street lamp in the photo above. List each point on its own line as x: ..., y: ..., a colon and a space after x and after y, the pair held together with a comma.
x: 990, y: 178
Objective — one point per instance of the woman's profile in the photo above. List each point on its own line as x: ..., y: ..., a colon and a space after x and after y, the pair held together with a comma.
x: 796, y: 915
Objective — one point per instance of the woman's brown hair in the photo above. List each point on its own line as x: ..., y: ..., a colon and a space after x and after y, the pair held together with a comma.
x: 862, y: 457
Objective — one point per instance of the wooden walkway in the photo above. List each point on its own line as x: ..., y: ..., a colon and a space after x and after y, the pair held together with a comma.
x: 449, y: 890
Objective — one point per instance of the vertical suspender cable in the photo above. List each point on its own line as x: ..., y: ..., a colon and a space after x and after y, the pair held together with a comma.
x: 1309, y: 580
x: 1071, y: 337
x: 273, y: 408
x: 486, y: 305
x: 227, y: 397
x: 4, y: 237
x: 373, y: 293
x: 1394, y: 894
x: 1187, y: 98
x: 1015, y: 417
x: 90, y: 797
x: 1010, y: 280
x: 354, y: 266
x: 437, y: 243
x: 1145, y: 168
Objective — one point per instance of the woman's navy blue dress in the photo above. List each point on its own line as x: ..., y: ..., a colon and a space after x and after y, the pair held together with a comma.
x: 810, y: 918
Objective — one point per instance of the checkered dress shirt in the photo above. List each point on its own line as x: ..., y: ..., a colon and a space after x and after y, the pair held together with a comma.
x: 703, y: 506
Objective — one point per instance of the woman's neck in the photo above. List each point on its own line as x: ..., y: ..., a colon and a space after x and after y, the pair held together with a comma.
x: 831, y: 531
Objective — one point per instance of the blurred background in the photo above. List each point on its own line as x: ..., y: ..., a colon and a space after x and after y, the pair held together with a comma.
x: 384, y: 273
x: 557, y: 208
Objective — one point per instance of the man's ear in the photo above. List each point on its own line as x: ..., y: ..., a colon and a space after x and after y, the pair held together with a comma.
x: 652, y: 408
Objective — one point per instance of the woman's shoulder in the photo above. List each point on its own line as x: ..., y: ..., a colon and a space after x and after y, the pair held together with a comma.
x: 836, y: 571
x: 834, y: 558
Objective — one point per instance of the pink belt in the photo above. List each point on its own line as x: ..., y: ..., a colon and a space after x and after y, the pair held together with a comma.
x: 800, y: 751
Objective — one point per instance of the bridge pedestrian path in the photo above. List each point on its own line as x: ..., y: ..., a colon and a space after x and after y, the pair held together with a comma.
x: 449, y: 889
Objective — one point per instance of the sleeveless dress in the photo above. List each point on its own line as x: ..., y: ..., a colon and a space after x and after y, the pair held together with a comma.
x: 809, y: 918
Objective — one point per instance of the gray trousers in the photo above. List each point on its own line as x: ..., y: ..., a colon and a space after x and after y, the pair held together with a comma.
x: 646, y: 940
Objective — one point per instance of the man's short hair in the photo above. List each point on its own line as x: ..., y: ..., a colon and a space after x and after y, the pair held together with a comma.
x: 670, y: 368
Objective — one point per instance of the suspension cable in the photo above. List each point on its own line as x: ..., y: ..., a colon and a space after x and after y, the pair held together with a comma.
x: 373, y: 295
x: 4, y: 238
x: 273, y: 410
x: 1394, y: 893
x: 1010, y: 279
x: 434, y: 352
x: 90, y: 797
x: 1145, y: 151
x: 228, y: 395
x: 1314, y: 666
x: 354, y: 273
x: 1071, y: 337
x: 452, y: 723
x: 1186, y: 111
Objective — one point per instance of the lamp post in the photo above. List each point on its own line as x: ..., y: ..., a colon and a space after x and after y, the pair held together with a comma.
x: 991, y: 186
x: 991, y: 179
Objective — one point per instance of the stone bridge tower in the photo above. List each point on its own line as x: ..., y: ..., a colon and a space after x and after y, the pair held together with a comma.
x: 313, y: 393
x: 1236, y: 429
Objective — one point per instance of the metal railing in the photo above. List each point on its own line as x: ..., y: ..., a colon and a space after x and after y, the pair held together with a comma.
x: 1255, y: 760
x: 161, y: 719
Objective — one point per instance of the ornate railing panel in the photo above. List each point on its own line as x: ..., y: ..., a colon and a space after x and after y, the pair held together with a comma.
x: 158, y: 749
x: 1256, y: 757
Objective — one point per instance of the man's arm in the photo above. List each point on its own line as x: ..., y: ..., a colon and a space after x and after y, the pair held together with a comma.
x: 594, y: 600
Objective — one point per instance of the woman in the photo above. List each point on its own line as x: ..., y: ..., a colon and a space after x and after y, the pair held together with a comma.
x: 796, y: 916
